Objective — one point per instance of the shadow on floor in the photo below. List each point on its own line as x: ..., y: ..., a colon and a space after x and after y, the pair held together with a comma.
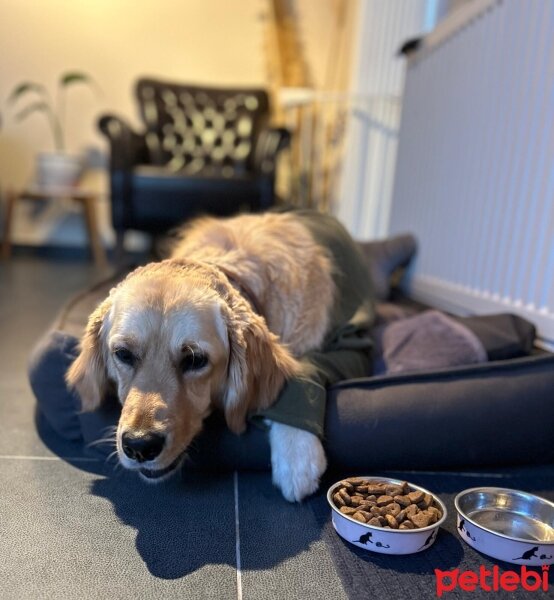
x: 189, y: 521
x: 178, y: 529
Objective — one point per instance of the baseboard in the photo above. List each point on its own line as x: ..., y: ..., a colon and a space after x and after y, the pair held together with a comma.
x: 463, y: 301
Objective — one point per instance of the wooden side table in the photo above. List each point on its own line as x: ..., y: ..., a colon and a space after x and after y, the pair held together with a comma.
x: 85, y: 198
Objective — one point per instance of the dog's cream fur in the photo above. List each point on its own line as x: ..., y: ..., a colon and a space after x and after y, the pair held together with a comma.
x: 188, y: 303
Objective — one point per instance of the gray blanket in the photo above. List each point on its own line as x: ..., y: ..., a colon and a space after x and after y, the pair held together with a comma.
x: 429, y: 340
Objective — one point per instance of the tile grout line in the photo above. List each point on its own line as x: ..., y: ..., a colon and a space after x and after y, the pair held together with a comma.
x: 237, y: 536
x: 51, y: 458
x: 456, y: 473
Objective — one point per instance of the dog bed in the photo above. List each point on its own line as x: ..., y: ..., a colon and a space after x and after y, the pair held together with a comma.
x: 494, y: 413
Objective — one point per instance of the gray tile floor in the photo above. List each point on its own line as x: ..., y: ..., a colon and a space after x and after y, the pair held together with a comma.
x: 73, y: 527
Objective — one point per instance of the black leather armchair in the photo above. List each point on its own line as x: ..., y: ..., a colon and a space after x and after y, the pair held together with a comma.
x: 203, y: 151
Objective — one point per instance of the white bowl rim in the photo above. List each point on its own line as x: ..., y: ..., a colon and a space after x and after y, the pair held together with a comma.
x: 393, y: 481
x: 491, y: 531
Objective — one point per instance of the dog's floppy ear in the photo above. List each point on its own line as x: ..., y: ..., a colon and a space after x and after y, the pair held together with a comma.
x: 88, y: 373
x: 258, y: 367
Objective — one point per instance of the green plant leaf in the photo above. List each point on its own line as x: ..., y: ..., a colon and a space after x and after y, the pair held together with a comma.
x: 76, y: 77
x: 39, y: 106
x: 24, y: 88
x: 72, y: 77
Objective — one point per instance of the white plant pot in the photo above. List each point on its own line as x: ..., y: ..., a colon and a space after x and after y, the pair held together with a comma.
x: 58, y: 169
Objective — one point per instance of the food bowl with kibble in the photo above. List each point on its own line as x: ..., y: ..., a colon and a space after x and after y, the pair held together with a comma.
x: 385, y: 515
x: 510, y: 525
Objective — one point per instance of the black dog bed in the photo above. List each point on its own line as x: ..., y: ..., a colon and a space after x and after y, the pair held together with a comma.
x: 497, y: 413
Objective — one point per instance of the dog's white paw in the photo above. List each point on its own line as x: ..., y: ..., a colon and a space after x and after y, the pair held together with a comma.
x: 297, y: 461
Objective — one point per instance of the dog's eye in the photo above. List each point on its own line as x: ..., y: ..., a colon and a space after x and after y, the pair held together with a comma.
x: 125, y: 356
x: 193, y: 361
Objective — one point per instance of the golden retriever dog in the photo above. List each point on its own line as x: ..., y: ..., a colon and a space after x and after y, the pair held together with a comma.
x: 221, y: 324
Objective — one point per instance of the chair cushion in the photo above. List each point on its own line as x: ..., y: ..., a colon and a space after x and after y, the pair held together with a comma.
x: 160, y: 199
x: 156, y: 177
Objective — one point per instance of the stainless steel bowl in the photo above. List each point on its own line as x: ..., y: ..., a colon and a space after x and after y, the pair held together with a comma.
x: 510, y: 525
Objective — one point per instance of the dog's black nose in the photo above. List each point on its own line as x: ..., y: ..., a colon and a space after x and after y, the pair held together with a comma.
x: 142, y: 446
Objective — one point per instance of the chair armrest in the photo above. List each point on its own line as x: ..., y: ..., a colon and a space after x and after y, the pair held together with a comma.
x: 270, y: 142
x: 127, y: 148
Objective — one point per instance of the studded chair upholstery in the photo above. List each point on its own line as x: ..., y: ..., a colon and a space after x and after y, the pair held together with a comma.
x: 203, y: 151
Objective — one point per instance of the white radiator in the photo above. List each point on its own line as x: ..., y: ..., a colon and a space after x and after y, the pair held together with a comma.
x: 475, y: 168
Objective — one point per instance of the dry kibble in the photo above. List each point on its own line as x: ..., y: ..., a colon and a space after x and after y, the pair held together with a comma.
x: 420, y: 519
x: 391, y: 509
x: 415, y: 497
x: 432, y: 517
x: 347, y: 486
x: 355, y: 480
x: 426, y: 502
x: 403, y: 501
x: 435, y: 511
x: 393, y: 490
x: 390, y: 506
x: 391, y: 522
x: 367, y: 516
x: 344, y: 495
x: 338, y: 500
x: 376, y: 511
x: 347, y: 510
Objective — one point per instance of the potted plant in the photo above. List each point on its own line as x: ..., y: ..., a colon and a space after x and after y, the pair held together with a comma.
x: 58, y: 168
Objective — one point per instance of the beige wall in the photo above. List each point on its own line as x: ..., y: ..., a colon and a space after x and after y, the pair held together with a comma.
x: 329, y: 55
x: 211, y: 41
x: 116, y: 41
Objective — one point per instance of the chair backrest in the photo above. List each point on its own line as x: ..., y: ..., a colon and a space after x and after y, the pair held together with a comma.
x: 201, y: 130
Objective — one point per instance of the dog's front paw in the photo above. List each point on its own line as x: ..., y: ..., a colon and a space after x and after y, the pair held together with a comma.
x: 297, y: 461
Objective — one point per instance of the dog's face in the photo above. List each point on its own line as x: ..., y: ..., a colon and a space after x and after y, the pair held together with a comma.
x: 175, y: 343
x: 167, y: 351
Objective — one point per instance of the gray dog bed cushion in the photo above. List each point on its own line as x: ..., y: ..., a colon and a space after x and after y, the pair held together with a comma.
x: 489, y: 414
